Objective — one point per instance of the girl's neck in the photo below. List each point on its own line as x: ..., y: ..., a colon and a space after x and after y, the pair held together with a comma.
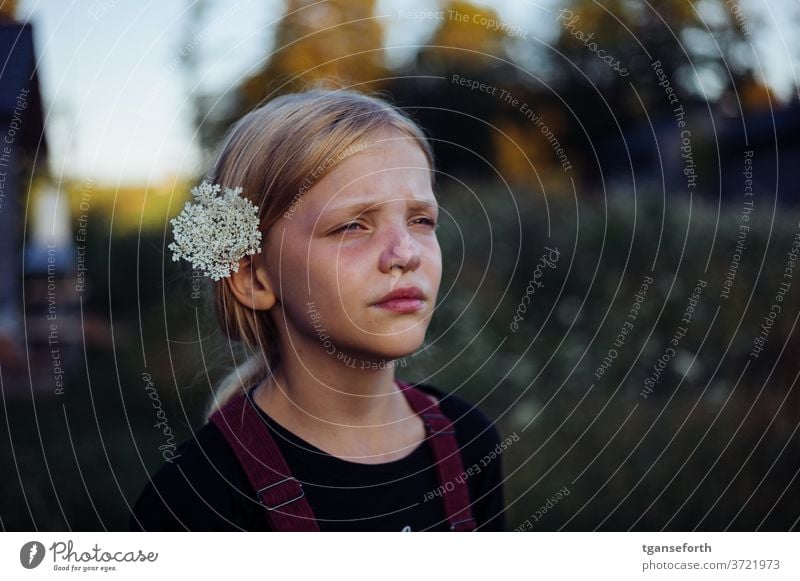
x: 334, y: 395
x: 362, y: 417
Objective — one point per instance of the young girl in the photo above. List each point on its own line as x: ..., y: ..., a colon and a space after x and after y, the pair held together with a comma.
x: 314, y: 432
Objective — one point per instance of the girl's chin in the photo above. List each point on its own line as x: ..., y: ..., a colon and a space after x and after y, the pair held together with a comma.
x: 383, y: 349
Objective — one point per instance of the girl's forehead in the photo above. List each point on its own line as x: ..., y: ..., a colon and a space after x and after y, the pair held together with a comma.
x: 383, y: 172
x: 379, y: 156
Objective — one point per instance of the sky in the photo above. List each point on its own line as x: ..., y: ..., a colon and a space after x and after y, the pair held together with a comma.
x: 116, y: 100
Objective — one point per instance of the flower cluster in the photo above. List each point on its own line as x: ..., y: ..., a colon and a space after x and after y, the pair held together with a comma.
x: 216, y: 232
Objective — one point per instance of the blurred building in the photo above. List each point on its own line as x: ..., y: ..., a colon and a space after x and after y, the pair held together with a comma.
x: 718, y: 143
x: 37, y: 299
x: 52, y: 312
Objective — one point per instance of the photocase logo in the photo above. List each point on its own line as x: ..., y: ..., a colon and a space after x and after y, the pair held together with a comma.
x: 31, y: 554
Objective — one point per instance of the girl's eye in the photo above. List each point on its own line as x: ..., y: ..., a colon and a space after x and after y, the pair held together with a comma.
x: 346, y: 228
x: 354, y: 226
x: 428, y: 222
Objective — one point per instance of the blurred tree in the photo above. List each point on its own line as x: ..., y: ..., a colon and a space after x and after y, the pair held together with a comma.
x: 698, y: 42
x: 753, y: 94
x: 607, y: 78
x: 8, y: 10
x: 588, y: 91
x: 337, y: 40
x: 462, y: 43
x: 463, y: 48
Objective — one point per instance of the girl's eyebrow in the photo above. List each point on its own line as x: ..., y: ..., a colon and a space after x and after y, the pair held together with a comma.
x: 369, y: 207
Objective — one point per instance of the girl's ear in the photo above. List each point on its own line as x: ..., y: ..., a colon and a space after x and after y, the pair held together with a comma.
x: 251, y: 285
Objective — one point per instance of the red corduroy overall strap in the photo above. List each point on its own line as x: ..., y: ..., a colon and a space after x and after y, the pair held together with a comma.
x: 282, y: 496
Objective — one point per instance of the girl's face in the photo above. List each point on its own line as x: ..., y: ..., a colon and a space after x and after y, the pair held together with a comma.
x: 367, y: 228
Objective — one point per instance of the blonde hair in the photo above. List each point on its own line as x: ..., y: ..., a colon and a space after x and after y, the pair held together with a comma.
x: 276, y: 153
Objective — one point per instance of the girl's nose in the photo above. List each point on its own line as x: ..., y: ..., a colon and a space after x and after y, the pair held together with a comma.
x: 402, y: 251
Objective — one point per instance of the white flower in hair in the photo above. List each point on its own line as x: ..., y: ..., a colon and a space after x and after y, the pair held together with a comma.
x: 216, y: 232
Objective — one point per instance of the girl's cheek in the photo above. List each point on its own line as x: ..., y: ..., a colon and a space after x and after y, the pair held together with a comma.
x: 434, y: 254
x: 349, y: 256
x: 341, y: 270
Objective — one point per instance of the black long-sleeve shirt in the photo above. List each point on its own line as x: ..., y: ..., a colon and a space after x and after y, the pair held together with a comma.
x: 206, y: 489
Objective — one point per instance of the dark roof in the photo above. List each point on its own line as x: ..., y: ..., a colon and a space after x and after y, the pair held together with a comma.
x: 18, y: 72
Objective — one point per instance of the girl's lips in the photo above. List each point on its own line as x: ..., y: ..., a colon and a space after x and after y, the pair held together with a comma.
x: 401, y: 305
